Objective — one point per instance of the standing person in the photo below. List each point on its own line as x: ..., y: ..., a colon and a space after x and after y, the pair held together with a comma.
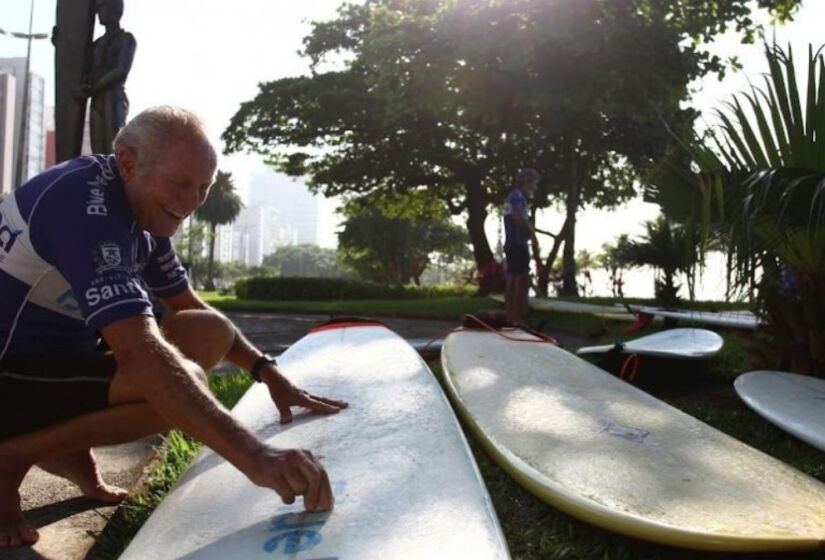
x: 81, y: 248
x: 518, y: 235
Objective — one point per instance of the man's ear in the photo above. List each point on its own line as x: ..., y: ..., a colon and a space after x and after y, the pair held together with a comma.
x: 126, y: 163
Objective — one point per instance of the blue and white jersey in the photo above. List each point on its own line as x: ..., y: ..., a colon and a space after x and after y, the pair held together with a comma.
x: 515, y: 203
x: 73, y: 260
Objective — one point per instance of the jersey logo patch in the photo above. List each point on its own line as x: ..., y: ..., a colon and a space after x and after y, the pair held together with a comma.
x: 107, y: 257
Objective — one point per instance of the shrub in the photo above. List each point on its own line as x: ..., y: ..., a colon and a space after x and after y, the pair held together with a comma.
x: 331, y: 289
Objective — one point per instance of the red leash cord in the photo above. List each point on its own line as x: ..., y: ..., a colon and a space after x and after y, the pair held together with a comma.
x: 542, y: 338
x: 630, y: 368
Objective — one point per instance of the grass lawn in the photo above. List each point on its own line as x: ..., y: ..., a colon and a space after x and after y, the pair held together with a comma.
x: 447, y: 308
x: 534, y: 530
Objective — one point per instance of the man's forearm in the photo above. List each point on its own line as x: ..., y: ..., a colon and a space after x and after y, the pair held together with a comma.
x: 171, y: 384
x: 242, y: 353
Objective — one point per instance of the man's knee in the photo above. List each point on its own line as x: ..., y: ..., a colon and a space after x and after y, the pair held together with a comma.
x: 203, y: 335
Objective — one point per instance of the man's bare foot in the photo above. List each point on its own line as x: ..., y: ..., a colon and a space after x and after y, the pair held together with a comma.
x: 80, y: 467
x: 14, y: 529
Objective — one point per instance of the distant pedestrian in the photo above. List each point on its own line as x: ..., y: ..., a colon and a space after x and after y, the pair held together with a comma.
x: 519, y: 233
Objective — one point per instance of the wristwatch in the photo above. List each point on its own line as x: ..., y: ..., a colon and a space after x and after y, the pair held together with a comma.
x: 263, y: 360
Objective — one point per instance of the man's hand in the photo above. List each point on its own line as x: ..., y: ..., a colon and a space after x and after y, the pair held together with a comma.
x: 285, y: 395
x: 291, y: 473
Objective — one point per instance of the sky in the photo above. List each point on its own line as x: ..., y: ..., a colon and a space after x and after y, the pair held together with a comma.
x: 209, y: 56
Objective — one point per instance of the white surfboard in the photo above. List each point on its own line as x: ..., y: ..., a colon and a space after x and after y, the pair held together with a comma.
x: 551, y: 304
x: 728, y: 319
x: 794, y: 403
x: 606, y: 452
x: 406, y: 485
x: 684, y: 344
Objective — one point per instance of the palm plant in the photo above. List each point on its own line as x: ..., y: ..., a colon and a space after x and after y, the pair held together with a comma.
x: 777, y: 231
x: 668, y: 249
x: 760, y: 185
x: 610, y: 260
x: 221, y: 206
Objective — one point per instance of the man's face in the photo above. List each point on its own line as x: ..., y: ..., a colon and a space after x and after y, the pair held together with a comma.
x: 530, y: 187
x: 164, y: 194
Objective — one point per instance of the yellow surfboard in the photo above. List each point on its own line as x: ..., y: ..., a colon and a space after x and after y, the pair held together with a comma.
x: 612, y: 455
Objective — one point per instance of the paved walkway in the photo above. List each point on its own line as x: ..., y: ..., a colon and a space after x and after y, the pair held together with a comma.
x: 69, y: 523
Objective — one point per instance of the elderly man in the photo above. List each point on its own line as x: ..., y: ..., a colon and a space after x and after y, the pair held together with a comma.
x: 81, y: 247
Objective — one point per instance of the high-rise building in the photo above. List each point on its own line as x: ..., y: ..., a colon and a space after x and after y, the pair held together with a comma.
x: 50, y: 154
x: 7, y: 163
x: 34, y: 132
x: 278, y: 212
x: 297, y: 209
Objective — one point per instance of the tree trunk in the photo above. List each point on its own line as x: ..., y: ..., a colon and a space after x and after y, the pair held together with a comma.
x: 544, y: 274
x: 569, y: 286
x: 476, y: 216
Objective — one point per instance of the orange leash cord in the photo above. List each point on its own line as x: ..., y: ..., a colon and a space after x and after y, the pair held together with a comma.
x: 630, y: 368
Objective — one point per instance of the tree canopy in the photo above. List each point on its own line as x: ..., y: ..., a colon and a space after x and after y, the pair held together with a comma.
x: 391, y: 239
x: 304, y: 260
x: 456, y: 95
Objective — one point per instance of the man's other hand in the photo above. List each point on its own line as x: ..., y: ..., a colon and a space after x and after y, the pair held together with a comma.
x: 285, y: 395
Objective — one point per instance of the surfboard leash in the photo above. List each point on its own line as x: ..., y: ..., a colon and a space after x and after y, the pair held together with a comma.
x: 543, y: 338
x: 630, y: 368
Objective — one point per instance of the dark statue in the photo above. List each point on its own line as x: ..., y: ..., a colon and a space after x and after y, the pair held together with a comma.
x: 112, y: 56
x: 102, y: 78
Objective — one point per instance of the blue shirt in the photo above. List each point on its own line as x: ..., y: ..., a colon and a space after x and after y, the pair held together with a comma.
x: 73, y: 260
x: 515, y: 203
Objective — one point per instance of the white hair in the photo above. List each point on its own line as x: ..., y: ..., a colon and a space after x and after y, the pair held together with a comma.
x: 152, y: 131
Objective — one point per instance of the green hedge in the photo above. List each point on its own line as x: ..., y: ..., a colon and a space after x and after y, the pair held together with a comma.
x: 332, y: 289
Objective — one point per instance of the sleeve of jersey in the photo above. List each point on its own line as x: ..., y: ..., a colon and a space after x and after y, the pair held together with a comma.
x: 513, y: 205
x: 96, y: 256
x: 165, y: 275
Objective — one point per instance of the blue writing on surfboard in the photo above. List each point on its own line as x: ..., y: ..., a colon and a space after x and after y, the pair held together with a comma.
x: 299, y: 532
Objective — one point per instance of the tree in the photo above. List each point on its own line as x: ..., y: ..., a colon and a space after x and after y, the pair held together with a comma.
x: 305, y: 260
x: 191, y: 242
x: 611, y: 261
x: 221, y: 207
x: 455, y: 96
x: 759, y: 180
x: 668, y: 249
x: 776, y: 216
x: 391, y: 239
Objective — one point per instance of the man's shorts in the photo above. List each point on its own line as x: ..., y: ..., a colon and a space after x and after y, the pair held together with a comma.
x: 40, y: 390
x: 518, y: 259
